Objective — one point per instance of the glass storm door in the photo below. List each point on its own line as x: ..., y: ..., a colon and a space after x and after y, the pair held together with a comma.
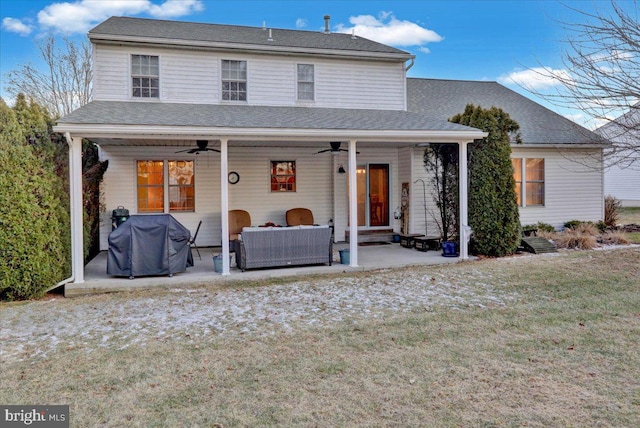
x: 373, y: 195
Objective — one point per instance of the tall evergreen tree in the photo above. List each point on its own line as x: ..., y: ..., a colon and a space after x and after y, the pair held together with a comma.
x: 493, y: 208
x: 33, y: 255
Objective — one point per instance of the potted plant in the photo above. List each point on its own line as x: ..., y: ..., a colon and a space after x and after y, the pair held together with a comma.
x: 441, y: 162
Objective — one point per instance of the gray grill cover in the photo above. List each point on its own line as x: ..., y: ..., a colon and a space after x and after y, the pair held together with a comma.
x: 149, y: 245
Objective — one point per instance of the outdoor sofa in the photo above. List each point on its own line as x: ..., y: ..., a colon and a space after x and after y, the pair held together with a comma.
x: 263, y: 247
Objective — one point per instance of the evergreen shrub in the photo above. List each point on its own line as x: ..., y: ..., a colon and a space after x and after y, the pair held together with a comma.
x: 493, y: 208
x: 33, y: 254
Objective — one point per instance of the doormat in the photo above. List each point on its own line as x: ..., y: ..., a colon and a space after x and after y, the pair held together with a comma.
x: 367, y: 244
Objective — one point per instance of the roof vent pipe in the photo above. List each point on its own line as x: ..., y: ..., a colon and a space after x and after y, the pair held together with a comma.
x: 327, y: 29
x: 264, y: 25
x: 270, y: 36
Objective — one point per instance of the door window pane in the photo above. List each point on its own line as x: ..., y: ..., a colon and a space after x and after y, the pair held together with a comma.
x: 181, y: 186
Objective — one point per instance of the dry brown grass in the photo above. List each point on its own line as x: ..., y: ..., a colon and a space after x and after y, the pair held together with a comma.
x: 577, y: 238
x: 615, y: 238
x: 564, y: 354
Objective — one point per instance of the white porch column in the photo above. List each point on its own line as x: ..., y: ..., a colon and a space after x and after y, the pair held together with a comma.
x: 353, y: 205
x: 464, y: 207
x: 224, y: 204
x: 75, y: 184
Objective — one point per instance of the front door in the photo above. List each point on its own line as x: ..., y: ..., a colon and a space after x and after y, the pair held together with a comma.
x: 373, y: 195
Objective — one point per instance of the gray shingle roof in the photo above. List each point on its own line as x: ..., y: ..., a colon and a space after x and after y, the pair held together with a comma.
x: 443, y: 99
x: 198, y: 33
x: 246, y: 116
x: 624, y: 129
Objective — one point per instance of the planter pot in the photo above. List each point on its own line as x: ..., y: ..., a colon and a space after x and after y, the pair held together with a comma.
x: 217, y: 263
x: 345, y: 257
x: 450, y: 249
x: 396, y: 239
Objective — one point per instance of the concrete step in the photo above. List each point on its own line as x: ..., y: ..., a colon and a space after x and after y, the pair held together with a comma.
x: 385, y: 235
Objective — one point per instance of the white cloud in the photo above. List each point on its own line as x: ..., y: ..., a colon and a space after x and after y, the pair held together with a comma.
x: 301, y: 22
x: 537, y: 78
x: 80, y: 16
x: 575, y: 117
x: 173, y: 8
x: 16, y: 26
x: 387, y: 29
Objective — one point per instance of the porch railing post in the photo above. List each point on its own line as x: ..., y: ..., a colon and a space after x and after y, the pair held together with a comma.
x: 77, y: 234
x: 224, y: 204
x: 353, y: 205
x: 464, y: 208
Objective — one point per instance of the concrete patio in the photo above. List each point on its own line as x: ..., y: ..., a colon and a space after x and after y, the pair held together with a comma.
x: 370, y: 257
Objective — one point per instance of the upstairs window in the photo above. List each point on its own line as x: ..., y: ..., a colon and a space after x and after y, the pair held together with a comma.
x: 305, y: 82
x: 234, y: 80
x: 145, y: 76
x: 157, y: 178
x: 529, y: 177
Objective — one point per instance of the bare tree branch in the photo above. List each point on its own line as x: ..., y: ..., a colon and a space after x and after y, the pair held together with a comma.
x: 602, y: 78
x: 64, y: 84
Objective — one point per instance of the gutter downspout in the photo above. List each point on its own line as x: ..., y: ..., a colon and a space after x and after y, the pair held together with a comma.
x: 408, y: 67
x: 404, y: 81
x: 72, y: 214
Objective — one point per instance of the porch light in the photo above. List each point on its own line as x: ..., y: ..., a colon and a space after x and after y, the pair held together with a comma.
x: 341, y: 169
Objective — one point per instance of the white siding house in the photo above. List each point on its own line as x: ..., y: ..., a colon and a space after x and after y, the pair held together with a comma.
x: 622, y: 161
x: 336, y: 110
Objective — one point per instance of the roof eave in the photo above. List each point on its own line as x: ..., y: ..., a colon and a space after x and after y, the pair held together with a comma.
x: 280, y: 134
x: 561, y: 145
x: 246, y: 47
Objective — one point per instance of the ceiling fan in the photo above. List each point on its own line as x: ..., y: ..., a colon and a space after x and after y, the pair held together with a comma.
x: 202, y: 147
x: 335, y: 149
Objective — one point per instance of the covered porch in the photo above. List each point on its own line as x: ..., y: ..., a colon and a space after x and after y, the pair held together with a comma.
x: 151, y: 125
x: 371, y: 258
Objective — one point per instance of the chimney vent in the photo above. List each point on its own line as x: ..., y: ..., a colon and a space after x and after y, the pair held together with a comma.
x: 327, y: 28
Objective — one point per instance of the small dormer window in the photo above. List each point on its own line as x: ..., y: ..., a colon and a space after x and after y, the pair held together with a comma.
x: 305, y: 82
x: 145, y: 76
x: 234, y: 80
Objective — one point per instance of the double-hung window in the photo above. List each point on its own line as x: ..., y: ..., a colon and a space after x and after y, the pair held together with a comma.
x: 529, y: 176
x: 145, y: 76
x: 305, y: 82
x: 157, y: 178
x: 234, y: 80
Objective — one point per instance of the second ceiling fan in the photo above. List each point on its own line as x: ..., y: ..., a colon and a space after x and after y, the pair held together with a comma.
x: 335, y: 148
x: 202, y: 147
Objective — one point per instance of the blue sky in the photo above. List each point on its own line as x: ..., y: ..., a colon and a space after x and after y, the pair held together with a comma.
x: 468, y: 40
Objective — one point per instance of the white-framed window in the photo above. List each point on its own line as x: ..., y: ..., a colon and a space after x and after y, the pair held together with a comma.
x: 306, y: 82
x: 145, y: 76
x: 283, y: 176
x: 173, y: 178
x: 529, y: 176
x: 234, y: 80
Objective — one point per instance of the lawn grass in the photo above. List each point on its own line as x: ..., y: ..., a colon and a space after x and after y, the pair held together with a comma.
x: 629, y: 215
x: 563, y: 353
